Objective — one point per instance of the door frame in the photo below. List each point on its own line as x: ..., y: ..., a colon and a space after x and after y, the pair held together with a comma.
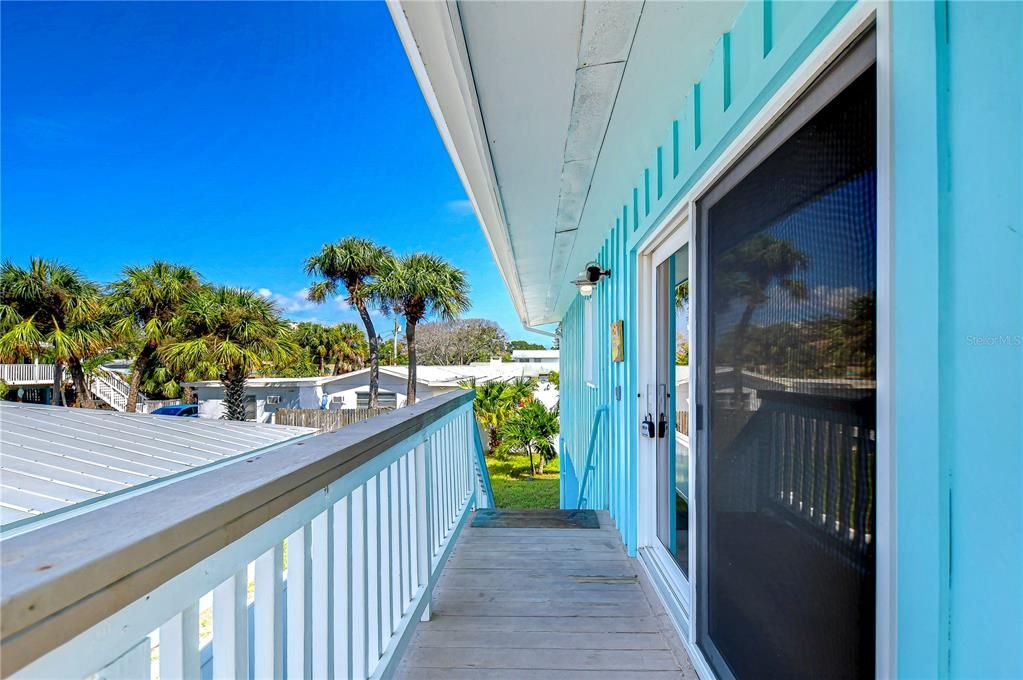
x: 674, y: 225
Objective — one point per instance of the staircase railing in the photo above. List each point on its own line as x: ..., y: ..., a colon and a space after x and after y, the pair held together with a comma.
x: 368, y: 516
x: 590, y: 451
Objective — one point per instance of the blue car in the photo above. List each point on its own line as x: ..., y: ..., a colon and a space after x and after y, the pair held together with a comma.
x: 184, y: 410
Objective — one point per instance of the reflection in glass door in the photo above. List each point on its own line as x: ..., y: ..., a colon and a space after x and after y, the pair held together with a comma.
x: 786, y: 355
x: 673, y: 498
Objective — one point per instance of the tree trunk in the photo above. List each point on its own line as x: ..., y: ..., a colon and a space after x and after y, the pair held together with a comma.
x: 141, y: 362
x: 495, y: 440
x: 81, y: 385
x: 234, y: 394
x: 374, y: 355
x: 410, y: 339
x: 740, y: 336
x: 541, y: 464
x: 57, y: 397
x: 532, y: 466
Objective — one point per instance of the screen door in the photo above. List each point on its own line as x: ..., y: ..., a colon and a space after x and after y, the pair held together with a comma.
x: 787, y: 358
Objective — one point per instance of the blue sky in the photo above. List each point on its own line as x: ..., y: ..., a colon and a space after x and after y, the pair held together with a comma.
x: 235, y: 138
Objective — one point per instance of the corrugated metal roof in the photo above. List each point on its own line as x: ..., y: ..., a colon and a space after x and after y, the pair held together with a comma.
x: 54, y: 458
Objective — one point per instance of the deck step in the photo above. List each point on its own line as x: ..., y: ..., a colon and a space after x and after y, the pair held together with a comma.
x: 498, y: 518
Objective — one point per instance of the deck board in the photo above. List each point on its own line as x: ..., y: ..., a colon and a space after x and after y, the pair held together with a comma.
x: 539, y: 603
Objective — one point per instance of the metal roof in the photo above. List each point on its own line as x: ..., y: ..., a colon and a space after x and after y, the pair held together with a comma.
x: 54, y: 458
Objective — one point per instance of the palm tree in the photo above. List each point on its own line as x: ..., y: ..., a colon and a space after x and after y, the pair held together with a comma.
x: 313, y: 337
x: 747, y: 272
x: 531, y: 430
x: 227, y: 333
x: 353, y: 264
x: 51, y: 307
x: 144, y: 302
x: 492, y: 406
x: 421, y: 285
x: 520, y: 390
x: 348, y: 347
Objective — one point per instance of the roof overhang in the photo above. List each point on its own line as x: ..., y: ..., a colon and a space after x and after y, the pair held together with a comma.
x: 546, y: 109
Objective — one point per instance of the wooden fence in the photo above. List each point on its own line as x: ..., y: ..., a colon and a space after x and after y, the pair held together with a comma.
x: 325, y: 421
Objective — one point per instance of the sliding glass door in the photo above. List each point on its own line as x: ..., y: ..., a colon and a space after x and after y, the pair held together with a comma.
x: 787, y: 294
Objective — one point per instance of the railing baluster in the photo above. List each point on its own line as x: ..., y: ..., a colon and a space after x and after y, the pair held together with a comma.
x: 424, y: 521
x: 300, y: 609
x: 403, y: 535
x: 372, y: 573
x: 342, y: 642
x: 179, y: 646
x: 323, y: 582
x: 394, y: 493
x: 384, y: 522
x: 231, y: 628
x: 268, y: 637
x: 358, y: 588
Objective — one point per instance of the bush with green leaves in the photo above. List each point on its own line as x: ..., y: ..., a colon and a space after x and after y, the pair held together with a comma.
x: 531, y: 429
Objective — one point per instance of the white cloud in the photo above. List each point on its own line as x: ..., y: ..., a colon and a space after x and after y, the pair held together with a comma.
x: 289, y: 304
x: 460, y: 208
x: 834, y: 300
x: 298, y: 307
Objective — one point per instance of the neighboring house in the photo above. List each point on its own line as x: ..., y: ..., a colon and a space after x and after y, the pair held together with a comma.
x: 828, y: 193
x: 351, y: 390
x: 56, y: 462
x: 536, y: 356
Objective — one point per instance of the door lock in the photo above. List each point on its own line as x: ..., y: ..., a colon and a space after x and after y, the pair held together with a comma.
x: 662, y: 427
x: 647, y: 428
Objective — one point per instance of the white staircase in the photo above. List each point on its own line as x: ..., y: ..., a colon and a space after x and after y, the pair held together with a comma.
x: 111, y: 388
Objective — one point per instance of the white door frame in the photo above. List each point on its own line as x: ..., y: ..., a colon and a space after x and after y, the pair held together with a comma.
x: 675, y: 228
x: 672, y: 237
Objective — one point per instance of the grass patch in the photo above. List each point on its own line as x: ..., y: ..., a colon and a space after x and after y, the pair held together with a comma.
x: 514, y: 488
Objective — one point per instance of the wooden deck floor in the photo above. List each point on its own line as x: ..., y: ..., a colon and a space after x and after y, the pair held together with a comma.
x: 544, y: 603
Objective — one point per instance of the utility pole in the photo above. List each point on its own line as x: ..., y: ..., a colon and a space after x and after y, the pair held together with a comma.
x: 396, y: 329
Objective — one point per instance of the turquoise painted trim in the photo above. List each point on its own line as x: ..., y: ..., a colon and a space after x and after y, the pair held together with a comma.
x: 726, y: 50
x: 646, y: 191
x: 660, y: 172
x: 635, y: 209
x: 591, y: 449
x: 674, y: 149
x: 697, y: 130
x: 768, y: 33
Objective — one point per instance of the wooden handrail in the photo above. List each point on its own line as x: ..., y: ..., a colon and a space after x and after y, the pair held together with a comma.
x: 61, y: 579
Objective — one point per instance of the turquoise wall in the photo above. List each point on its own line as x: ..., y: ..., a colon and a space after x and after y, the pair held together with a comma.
x: 957, y: 209
x: 958, y: 355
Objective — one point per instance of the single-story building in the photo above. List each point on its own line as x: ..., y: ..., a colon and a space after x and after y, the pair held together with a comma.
x: 351, y: 390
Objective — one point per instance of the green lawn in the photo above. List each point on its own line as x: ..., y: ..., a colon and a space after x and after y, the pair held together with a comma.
x: 514, y: 488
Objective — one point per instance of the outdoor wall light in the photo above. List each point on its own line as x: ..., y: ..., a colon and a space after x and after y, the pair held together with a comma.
x: 589, y: 278
x: 594, y: 273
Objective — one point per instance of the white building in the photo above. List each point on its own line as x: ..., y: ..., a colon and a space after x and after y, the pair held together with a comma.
x: 265, y: 395
x: 536, y: 356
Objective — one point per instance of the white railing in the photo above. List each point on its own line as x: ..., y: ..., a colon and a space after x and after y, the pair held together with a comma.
x: 27, y: 374
x: 367, y: 517
x: 112, y: 389
x: 147, y: 405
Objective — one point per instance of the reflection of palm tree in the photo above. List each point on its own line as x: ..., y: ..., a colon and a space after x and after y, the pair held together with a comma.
x: 853, y: 337
x: 747, y: 272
